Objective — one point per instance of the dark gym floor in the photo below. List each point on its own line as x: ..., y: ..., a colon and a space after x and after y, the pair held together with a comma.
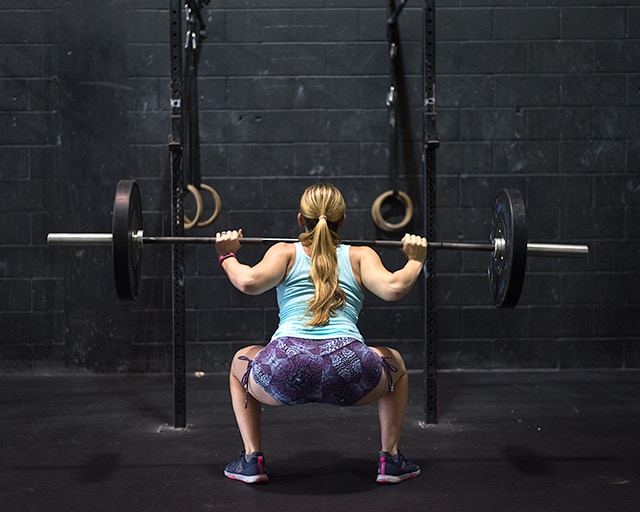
x: 533, y: 441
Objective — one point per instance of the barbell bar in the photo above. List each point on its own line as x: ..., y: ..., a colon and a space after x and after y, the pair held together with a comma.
x: 106, y: 239
x: 508, y: 245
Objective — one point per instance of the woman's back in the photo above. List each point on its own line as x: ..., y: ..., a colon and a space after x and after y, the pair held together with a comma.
x: 296, y: 290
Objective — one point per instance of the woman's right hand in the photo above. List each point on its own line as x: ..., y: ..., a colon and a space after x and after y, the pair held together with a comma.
x: 414, y: 247
x: 387, y: 285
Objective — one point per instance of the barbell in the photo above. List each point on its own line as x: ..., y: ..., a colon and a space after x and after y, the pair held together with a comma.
x: 508, y: 246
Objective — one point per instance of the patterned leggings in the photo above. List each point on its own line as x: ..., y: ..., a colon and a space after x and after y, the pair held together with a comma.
x: 338, y: 371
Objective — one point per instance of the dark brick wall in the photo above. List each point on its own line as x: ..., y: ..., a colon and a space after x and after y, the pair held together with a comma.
x: 542, y: 95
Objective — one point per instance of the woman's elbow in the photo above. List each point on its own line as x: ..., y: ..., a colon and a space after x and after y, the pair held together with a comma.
x: 248, y: 286
x: 395, y: 293
x: 397, y: 296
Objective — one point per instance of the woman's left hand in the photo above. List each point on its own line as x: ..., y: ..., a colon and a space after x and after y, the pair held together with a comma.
x: 228, y: 241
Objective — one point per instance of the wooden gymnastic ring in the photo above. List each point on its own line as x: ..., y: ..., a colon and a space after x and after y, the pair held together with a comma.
x: 189, y: 223
x: 217, y: 209
x: 376, y: 212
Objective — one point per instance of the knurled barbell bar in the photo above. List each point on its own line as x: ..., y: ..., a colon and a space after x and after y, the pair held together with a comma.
x: 508, y: 245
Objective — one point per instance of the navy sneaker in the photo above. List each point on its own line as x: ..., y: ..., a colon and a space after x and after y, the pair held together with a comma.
x: 249, y: 470
x: 393, y: 469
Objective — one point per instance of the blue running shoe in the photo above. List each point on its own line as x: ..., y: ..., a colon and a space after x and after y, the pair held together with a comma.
x: 249, y: 470
x: 393, y: 469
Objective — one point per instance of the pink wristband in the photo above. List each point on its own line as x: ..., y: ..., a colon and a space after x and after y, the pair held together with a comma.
x: 223, y: 257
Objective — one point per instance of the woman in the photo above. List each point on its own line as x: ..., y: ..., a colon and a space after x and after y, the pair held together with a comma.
x: 317, y: 353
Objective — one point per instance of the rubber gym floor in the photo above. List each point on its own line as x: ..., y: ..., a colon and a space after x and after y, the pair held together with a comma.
x: 504, y: 441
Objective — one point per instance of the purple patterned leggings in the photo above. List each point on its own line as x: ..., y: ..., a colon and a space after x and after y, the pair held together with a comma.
x: 338, y: 371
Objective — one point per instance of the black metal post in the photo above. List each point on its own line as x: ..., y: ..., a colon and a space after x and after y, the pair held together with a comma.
x: 177, y: 216
x: 430, y: 144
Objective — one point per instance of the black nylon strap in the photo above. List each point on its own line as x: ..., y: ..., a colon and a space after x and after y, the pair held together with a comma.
x: 192, y: 125
x: 393, y: 42
x: 392, y: 49
x: 196, y: 32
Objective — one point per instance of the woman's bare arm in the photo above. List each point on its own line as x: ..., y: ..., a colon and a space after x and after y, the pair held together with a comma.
x: 264, y: 275
x: 392, y: 286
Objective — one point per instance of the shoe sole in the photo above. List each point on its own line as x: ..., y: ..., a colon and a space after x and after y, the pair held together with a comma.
x: 392, y: 479
x: 253, y: 479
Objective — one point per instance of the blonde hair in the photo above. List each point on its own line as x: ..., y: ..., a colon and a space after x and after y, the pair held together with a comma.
x: 322, y: 207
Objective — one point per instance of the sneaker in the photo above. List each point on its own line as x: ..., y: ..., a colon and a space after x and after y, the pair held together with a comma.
x: 249, y: 470
x: 395, y: 469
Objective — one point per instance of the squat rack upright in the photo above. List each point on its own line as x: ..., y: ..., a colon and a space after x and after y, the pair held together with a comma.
x: 429, y: 145
x: 176, y: 151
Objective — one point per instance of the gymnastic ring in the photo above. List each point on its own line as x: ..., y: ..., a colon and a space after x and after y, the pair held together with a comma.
x: 218, y: 206
x: 189, y: 223
x: 376, y: 212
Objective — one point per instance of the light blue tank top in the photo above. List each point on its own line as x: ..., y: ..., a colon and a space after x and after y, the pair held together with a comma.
x: 297, y: 289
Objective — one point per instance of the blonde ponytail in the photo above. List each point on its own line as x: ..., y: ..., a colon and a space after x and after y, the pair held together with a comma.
x: 322, y: 206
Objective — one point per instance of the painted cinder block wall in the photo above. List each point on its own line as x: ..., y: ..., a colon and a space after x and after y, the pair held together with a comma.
x: 541, y: 95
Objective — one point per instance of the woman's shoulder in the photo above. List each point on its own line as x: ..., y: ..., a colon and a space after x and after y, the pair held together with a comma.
x: 360, y: 250
x: 358, y: 253
x: 281, y: 250
x: 284, y: 248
